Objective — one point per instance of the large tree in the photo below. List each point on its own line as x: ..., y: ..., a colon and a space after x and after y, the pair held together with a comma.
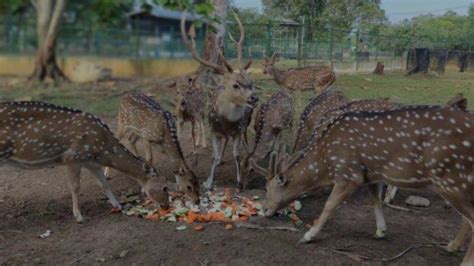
x: 48, y: 13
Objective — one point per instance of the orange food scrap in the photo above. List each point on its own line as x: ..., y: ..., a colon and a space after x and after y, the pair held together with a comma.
x: 115, y: 210
x: 153, y: 217
x: 192, y: 216
x: 243, y: 218
x: 163, y: 212
x: 199, y: 227
x: 294, y: 217
x: 228, y: 226
x: 217, y: 216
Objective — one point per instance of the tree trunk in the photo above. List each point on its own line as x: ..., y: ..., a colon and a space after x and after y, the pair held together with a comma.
x: 47, y: 29
x: 213, y: 42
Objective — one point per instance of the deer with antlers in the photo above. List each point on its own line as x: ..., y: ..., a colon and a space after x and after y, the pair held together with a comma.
x: 418, y: 147
x: 142, y: 118
x: 191, y: 104
x: 229, y: 104
x: 37, y: 135
x: 316, y: 78
x: 271, y: 119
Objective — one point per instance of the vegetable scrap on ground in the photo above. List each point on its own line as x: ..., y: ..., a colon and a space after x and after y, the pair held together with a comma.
x: 225, y: 206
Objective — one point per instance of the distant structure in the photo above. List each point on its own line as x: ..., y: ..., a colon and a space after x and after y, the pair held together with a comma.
x: 159, y: 29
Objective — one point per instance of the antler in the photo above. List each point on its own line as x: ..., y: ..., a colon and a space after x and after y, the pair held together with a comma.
x: 191, y: 47
x: 239, y: 44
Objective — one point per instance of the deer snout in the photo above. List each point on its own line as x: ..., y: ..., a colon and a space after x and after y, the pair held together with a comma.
x: 253, y: 99
x: 268, y: 212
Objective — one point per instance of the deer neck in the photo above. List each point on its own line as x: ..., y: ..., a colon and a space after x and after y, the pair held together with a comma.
x: 306, y: 175
x: 119, y: 158
x: 277, y: 75
x: 227, y: 109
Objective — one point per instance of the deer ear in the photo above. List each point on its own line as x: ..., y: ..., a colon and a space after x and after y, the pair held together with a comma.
x: 249, y: 63
x: 172, y: 84
x: 272, y: 167
x: 282, y: 181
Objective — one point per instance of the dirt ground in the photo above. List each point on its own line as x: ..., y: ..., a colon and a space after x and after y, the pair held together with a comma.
x: 34, y: 201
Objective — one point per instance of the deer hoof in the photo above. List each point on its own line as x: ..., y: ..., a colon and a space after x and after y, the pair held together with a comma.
x: 453, y: 246
x: 80, y: 219
x: 305, y: 239
x: 379, y: 234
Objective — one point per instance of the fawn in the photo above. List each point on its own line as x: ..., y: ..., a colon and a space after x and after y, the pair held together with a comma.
x: 428, y: 147
x: 271, y: 119
x: 36, y: 135
x: 142, y: 118
x: 316, y: 78
x: 191, y: 104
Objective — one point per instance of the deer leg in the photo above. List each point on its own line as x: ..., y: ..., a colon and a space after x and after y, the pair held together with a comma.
x: 375, y: 192
x: 456, y: 244
x: 74, y: 183
x: 133, y: 139
x: 340, y: 191
x: 461, y: 201
x: 222, y: 151
x: 235, y: 153
x: 390, y: 194
x: 193, y: 135
x: 203, y: 134
x: 148, y: 151
x: 216, y: 158
x: 102, y: 181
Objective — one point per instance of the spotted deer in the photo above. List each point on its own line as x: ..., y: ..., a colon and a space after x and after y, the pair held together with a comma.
x: 271, y: 119
x: 142, y: 118
x: 314, y: 112
x: 37, y: 135
x: 229, y: 103
x: 417, y: 147
x: 316, y: 78
x: 191, y: 107
x: 458, y: 102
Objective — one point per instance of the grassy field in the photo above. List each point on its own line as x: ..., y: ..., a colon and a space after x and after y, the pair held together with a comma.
x: 102, y: 98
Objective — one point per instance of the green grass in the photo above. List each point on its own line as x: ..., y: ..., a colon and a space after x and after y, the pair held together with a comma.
x: 103, y: 98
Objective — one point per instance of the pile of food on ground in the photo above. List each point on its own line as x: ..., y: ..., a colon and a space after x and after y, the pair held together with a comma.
x: 225, y: 206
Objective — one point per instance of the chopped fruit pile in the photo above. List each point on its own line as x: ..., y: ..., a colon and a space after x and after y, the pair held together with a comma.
x: 224, y: 206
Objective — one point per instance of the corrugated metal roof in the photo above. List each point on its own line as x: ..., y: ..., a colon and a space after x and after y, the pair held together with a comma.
x: 161, y: 12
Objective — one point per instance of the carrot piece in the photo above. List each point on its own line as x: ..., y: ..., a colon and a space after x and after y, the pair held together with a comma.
x: 243, y: 218
x: 199, y: 227
x: 153, y: 217
x: 217, y: 216
x: 192, y: 216
x: 115, y: 210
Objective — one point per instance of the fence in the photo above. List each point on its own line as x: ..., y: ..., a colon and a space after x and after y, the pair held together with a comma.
x: 346, y: 51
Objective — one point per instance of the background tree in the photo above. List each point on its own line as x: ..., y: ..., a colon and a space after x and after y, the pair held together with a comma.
x: 48, y: 15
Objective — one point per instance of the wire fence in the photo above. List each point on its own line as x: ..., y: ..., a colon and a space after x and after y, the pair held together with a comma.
x: 344, y: 49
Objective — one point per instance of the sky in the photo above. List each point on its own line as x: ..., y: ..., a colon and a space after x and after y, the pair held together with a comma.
x: 397, y: 10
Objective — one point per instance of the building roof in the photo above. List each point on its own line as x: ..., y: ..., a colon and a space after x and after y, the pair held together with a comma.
x: 158, y: 11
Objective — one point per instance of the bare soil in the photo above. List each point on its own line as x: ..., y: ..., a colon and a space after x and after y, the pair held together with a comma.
x: 34, y: 201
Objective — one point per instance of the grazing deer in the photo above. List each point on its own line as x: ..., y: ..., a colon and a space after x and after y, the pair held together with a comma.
x: 458, y: 102
x: 36, y: 135
x: 428, y: 147
x: 142, y: 118
x: 191, y: 107
x: 271, y: 119
x: 316, y: 78
x: 229, y: 104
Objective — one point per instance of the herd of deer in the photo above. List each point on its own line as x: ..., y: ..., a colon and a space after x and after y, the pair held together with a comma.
x: 339, y: 143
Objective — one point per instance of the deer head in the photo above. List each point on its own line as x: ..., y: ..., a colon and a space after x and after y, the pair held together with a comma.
x: 236, y: 88
x: 154, y: 187
x: 278, y: 195
x: 187, y: 182
x: 269, y: 63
